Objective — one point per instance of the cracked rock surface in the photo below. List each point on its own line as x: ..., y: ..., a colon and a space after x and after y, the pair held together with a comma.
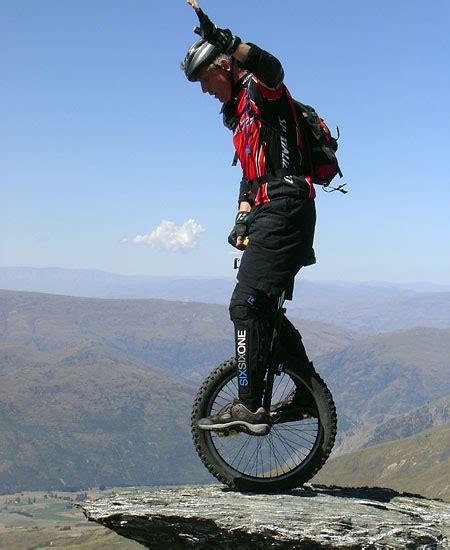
x: 312, y: 517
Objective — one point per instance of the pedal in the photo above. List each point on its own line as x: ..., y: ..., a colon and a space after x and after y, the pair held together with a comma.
x: 281, y: 417
x: 227, y: 433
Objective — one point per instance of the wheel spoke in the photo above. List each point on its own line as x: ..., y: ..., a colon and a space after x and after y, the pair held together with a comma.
x: 294, y: 452
x: 278, y: 460
x: 279, y: 396
x: 298, y: 432
x: 242, y: 451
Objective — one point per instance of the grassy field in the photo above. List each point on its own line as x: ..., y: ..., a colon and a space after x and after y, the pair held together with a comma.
x: 34, y: 520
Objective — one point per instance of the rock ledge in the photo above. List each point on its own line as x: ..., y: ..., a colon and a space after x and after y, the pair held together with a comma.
x: 311, y: 517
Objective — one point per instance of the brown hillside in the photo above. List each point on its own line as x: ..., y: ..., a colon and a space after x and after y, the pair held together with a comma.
x: 419, y: 464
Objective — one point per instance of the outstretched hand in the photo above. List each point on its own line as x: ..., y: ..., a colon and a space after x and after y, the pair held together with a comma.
x: 222, y: 39
x: 198, y: 11
x: 207, y: 28
x: 194, y: 4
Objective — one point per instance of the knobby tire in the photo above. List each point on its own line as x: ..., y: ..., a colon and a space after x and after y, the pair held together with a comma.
x: 257, y: 466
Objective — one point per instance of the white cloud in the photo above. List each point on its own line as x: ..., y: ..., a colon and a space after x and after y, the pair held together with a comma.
x: 169, y: 236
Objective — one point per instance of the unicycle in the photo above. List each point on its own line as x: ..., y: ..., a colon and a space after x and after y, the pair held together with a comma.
x: 298, y: 442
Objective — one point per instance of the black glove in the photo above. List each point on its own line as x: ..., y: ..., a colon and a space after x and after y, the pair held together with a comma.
x: 221, y: 38
x: 240, y: 228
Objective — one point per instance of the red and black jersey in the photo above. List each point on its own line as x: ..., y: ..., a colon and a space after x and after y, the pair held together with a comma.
x: 265, y: 136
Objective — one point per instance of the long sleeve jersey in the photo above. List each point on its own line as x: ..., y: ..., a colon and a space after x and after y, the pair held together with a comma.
x: 265, y: 133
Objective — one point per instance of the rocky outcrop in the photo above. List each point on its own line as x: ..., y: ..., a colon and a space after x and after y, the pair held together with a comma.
x: 312, y: 517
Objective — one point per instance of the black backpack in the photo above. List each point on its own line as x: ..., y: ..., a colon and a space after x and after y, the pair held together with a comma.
x: 319, y: 146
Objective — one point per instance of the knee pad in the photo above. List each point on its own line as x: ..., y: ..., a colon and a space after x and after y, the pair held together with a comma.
x: 254, y: 309
x: 252, y: 313
x: 250, y: 303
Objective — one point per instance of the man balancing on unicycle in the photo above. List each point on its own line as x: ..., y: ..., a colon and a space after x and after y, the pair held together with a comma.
x: 276, y: 207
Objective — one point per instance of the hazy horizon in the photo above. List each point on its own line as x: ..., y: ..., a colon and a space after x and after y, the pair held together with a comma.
x: 301, y: 276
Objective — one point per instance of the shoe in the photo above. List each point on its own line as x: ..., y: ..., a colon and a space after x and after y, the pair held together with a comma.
x: 236, y: 415
x: 298, y: 405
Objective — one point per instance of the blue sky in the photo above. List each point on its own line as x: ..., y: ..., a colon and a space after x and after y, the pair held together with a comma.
x: 103, y: 138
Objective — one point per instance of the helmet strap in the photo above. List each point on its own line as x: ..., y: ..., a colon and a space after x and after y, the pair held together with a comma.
x: 229, y: 71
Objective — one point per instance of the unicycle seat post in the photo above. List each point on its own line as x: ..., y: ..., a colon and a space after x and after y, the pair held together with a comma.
x: 273, y: 353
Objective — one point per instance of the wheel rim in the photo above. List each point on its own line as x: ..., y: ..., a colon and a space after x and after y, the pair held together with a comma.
x: 287, y: 447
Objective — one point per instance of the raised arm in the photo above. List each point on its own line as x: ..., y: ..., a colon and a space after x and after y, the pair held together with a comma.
x: 261, y: 63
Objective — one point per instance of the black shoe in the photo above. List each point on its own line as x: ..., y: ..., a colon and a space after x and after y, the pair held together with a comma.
x: 298, y: 405
x: 236, y: 416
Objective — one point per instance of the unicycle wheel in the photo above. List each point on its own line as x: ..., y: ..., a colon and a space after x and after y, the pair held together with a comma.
x: 289, y: 455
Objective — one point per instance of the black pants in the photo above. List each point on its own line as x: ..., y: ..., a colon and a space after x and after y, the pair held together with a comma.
x: 281, y: 236
x: 253, y: 313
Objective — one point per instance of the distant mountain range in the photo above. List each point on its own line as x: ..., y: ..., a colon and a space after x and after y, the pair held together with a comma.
x: 379, y: 375
x: 372, y: 307
x: 99, y: 391
x: 431, y: 415
x: 185, y: 339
